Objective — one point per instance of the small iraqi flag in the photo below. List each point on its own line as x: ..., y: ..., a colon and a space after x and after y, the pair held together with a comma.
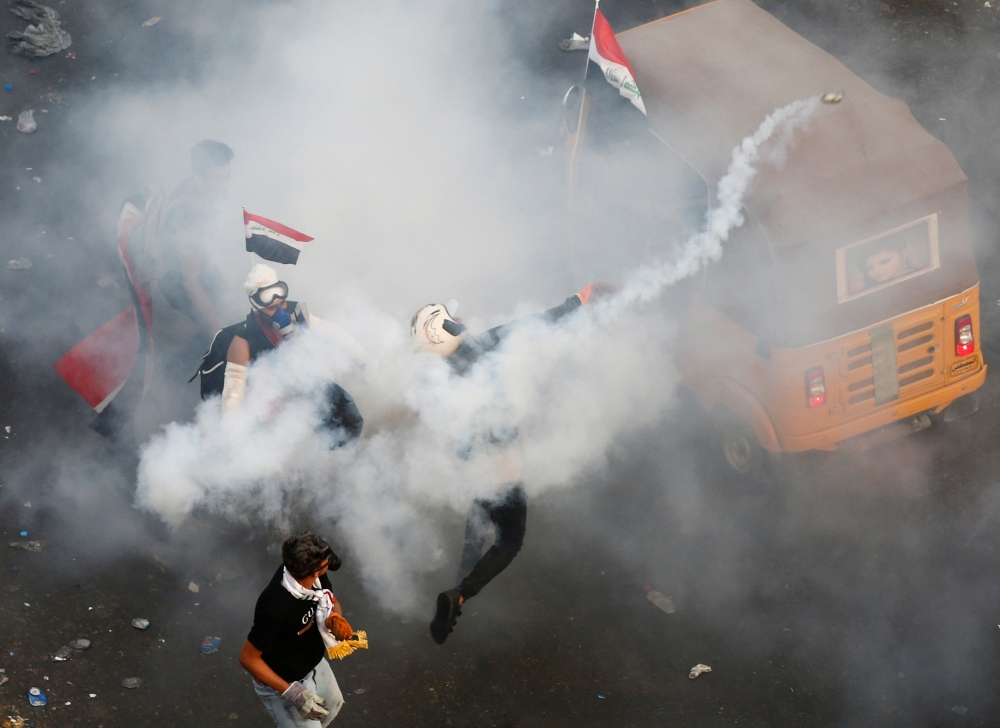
x: 273, y: 241
x: 606, y: 53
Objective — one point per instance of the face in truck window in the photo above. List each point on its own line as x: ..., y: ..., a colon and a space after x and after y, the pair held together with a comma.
x: 889, y: 261
x: 886, y: 259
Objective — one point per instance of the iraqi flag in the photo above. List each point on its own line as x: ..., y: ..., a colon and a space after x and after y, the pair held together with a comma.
x: 606, y: 53
x: 273, y: 241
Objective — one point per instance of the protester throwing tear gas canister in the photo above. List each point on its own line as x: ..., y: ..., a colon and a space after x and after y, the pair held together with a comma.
x: 436, y: 331
x: 297, y: 622
x: 273, y: 320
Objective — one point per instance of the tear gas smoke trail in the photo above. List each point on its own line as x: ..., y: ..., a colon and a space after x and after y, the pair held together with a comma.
x: 706, y: 246
x: 570, y: 391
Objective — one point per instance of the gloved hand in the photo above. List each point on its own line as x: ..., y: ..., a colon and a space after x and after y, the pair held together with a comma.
x: 596, y: 290
x: 308, y: 703
x: 339, y: 627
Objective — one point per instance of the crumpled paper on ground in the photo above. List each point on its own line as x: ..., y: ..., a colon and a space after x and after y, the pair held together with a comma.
x: 698, y: 670
x: 43, y: 37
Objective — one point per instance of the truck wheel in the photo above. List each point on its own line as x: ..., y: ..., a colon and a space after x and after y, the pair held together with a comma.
x: 740, y: 448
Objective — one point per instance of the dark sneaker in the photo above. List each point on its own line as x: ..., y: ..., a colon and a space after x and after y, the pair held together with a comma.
x: 448, y: 612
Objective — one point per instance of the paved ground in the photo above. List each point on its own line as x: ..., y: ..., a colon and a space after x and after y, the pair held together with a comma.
x: 846, y: 592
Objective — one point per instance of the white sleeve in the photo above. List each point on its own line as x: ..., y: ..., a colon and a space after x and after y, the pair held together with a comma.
x: 235, y: 387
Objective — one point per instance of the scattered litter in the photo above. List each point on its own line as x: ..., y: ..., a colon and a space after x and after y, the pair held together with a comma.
x: 227, y: 575
x: 32, y: 72
x: 37, y: 697
x: 575, y: 42
x: 6, y: 118
x: 140, y: 623
x: 71, y: 55
x: 210, y: 645
x: 43, y: 36
x: 20, y: 264
x: 192, y: 587
x: 359, y: 691
x: 80, y: 644
x: 152, y: 21
x: 14, y: 568
x: 698, y: 670
x: 32, y: 546
x: 24, y: 534
x: 68, y: 703
x: 9, y: 87
x: 600, y: 696
x: 62, y: 654
x: 26, y: 121
x: 27, y: 504
x: 832, y: 97
x: 987, y: 4
x: 3, y: 679
x: 37, y: 179
x: 132, y: 682
x: 93, y: 695
x: 54, y: 98
x: 234, y: 716
x: 661, y: 600
x: 961, y: 709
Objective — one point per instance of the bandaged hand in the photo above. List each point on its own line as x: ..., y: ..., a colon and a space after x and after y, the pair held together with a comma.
x: 339, y: 627
x: 596, y: 290
x: 308, y: 703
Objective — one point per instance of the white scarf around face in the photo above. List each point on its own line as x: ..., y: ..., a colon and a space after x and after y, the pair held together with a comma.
x: 324, y: 607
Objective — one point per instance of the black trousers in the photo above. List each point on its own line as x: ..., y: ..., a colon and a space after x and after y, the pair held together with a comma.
x: 508, y: 513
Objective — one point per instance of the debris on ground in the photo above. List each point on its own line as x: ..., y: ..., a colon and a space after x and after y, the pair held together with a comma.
x: 24, y: 534
x: 26, y: 121
x: 3, y: 679
x: 192, y: 587
x: 152, y: 21
x: 661, y: 600
x: 37, y: 697
x: 132, y: 683
x: 6, y: 118
x: 62, y: 654
x: 225, y: 575
x: 575, y: 42
x: 19, y: 264
x: 960, y: 709
x: 43, y: 36
x: 80, y: 644
x: 698, y: 670
x: 140, y: 623
x: 210, y: 645
x: 32, y: 546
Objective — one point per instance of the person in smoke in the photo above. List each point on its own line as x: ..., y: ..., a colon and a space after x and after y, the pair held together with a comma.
x: 273, y: 320
x: 194, y: 259
x: 436, y: 331
x: 297, y: 619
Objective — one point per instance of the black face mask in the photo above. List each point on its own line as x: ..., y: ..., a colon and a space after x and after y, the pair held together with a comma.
x: 328, y: 553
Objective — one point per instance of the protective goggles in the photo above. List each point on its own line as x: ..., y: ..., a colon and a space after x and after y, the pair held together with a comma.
x: 264, y: 297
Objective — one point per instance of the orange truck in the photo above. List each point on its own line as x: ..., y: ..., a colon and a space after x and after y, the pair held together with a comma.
x: 845, y: 310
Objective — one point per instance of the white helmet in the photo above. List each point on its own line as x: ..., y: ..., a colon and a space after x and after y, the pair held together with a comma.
x: 436, y: 331
x: 263, y: 287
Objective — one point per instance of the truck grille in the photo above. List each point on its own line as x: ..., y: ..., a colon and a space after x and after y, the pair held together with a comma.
x: 919, y: 357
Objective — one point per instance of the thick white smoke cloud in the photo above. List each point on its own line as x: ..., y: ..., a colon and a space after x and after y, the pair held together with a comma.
x: 570, y: 391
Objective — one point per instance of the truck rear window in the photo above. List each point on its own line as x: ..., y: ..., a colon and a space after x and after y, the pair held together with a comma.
x: 883, y: 260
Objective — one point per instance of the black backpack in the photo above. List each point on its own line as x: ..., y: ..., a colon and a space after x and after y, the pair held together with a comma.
x: 213, y: 364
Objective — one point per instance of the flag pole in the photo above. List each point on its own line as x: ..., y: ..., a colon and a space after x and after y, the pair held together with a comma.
x: 586, y: 67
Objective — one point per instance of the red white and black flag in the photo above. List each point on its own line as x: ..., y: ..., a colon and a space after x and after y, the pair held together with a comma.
x: 606, y: 53
x: 273, y: 241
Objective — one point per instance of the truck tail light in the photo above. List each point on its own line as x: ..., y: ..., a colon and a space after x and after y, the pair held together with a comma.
x: 965, y: 342
x: 815, y: 387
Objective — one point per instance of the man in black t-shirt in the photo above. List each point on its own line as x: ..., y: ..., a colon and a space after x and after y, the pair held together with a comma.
x: 296, y: 619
